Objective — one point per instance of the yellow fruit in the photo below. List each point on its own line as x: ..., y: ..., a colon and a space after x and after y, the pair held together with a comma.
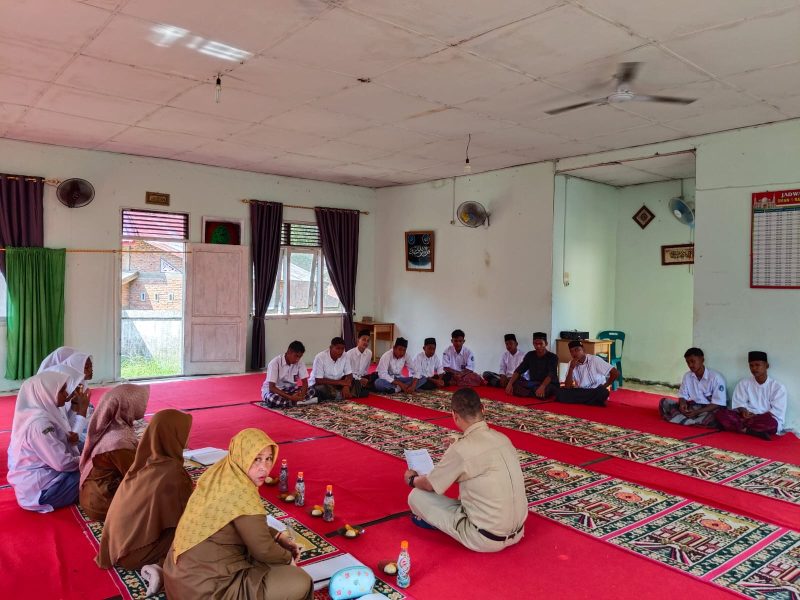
x: 390, y: 569
x: 317, y: 512
x: 351, y: 533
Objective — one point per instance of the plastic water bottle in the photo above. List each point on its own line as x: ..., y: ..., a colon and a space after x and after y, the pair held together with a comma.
x: 300, y: 490
x: 283, y: 478
x: 327, y: 504
x: 403, y: 566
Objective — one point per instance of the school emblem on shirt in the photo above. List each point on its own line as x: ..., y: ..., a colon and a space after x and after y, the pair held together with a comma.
x: 721, y: 388
x: 49, y: 429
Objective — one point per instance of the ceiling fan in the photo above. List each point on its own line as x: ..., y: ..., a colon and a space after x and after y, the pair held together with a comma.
x: 626, y: 73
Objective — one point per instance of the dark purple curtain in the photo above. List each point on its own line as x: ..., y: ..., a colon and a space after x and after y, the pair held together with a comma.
x: 21, y: 213
x: 338, y: 232
x: 265, y: 243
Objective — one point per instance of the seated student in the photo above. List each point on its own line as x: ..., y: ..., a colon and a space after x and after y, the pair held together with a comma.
x: 702, y: 392
x: 541, y: 368
x: 587, y: 379
x: 390, y: 371
x: 141, y: 521
x: 427, y: 367
x: 509, y: 362
x: 360, y: 359
x: 78, y: 365
x: 759, y: 402
x: 110, y: 446
x: 223, y: 547
x: 280, y: 388
x: 490, y: 514
x: 56, y: 357
x: 459, y: 363
x: 43, y: 454
x: 331, y: 375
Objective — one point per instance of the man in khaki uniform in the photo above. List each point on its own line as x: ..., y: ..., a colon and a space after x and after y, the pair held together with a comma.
x: 492, y: 508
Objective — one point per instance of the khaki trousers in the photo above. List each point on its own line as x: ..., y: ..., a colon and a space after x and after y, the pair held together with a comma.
x: 448, y: 516
x: 287, y: 582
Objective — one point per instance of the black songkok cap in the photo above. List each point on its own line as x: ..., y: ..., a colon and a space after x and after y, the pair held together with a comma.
x: 575, y: 344
x: 756, y: 355
x: 401, y: 342
x: 510, y: 337
x: 540, y: 335
x: 429, y: 341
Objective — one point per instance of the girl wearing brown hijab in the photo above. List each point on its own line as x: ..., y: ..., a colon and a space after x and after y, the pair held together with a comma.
x: 145, y: 511
x: 223, y: 548
x: 110, y: 446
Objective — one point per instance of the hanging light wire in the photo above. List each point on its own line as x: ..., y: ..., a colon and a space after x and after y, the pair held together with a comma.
x: 218, y: 88
x: 467, y: 166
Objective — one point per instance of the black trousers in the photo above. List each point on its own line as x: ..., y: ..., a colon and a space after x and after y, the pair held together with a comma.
x: 527, y: 389
x: 591, y: 396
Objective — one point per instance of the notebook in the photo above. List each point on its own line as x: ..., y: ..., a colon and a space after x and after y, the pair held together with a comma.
x: 205, y: 456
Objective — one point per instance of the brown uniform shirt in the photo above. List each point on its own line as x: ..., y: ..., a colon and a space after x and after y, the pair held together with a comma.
x: 491, y: 485
x: 107, y: 472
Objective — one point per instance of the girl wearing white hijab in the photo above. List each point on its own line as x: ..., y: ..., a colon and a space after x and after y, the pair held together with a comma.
x: 78, y: 367
x: 56, y: 357
x: 43, y: 455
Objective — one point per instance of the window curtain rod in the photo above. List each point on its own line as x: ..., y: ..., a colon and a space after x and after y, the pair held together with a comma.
x: 46, y: 181
x: 361, y: 212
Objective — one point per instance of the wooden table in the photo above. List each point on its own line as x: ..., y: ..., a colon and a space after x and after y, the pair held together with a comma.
x: 589, y: 346
x: 377, y: 331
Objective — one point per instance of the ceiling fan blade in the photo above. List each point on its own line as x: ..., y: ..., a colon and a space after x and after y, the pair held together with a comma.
x: 556, y: 111
x: 667, y: 99
x: 627, y: 72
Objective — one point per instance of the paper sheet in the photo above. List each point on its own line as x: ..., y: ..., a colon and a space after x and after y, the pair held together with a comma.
x: 419, y: 461
x: 205, y: 456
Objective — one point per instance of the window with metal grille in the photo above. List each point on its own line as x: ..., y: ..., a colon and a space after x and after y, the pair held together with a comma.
x: 300, y: 234
x: 155, y: 224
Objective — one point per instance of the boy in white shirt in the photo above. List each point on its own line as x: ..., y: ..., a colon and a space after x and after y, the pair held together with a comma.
x: 759, y: 402
x: 427, y: 367
x: 331, y: 375
x: 360, y: 359
x: 702, y: 393
x: 459, y: 363
x: 281, y: 388
x: 509, y: 362
x: 588, y: 378
x: 390, y: 368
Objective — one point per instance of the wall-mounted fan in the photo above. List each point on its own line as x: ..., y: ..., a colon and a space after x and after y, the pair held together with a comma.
x: 472, y: 214
x: 682, y: 210
x: 74, y: 193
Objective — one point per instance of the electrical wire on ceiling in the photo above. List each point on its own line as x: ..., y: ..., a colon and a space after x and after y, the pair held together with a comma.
x: 467, y: 166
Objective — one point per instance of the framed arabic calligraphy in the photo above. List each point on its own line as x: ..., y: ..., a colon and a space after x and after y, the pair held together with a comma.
x: 419, y: 250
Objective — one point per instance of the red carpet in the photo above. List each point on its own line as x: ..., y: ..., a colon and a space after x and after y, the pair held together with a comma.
x: 47, y: 556
x: 552, y: 561
x: 636, y: 398
x: 784, y: 448
x: 5, y: 439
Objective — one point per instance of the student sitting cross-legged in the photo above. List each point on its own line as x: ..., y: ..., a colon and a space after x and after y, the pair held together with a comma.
x: 459, y: 363
x: 390, y: 371
x: 702, y: 392
x: 587, y: 379
x: 509, y: 362
x: 537, y: 374
x: 281, y: 387
x: 223, y: 548
x: 360, y: 359
x: 331, y: 375
x: 427, y: 367
x: 759, y: 402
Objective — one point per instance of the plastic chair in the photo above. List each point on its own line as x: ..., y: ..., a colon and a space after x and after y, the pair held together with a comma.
x: 616, y: 352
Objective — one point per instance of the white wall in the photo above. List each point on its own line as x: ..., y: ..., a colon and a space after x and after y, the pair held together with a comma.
x: 487, y: 281
x: 120, y: 181
x: 586, y: 249
x: 653, y: 304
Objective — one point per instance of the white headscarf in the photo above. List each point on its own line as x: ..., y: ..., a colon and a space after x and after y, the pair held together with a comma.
x: 37, y: 401
x: 77, y: 360
x: 74, y: 378
x: 56, y: 357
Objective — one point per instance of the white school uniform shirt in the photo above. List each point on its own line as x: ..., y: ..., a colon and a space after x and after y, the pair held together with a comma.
x: 458, y: 361
x: 359, y: 361
x: 709, y: 389
x: 509, y: 363
x: 283, y: 374
x: 422, y: 366
x: 390, y: 368
x: 592, y: 373
x: 324, y: 367
x: 760, y: 398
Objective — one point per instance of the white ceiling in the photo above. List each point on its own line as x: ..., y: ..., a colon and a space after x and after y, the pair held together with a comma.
x: 136, y: 76
x: 644, y: 170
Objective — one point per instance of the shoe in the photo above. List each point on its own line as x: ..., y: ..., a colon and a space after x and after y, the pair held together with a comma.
x: 421, y: 522
x: 759, y: 434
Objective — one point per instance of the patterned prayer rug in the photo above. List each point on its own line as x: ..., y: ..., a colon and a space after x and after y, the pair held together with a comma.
x: 773, y: 573
x: 642, y: 447
x: 586, y: 434
x: 775, y: 479
x: 709, y: 464
x: 695, y: 538
x: 606, y: 507
x: 548, y: 478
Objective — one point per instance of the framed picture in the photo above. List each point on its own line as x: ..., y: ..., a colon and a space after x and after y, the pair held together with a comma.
x: 643, y: 217
x: 419, y: 251
x: 679, y: 254
x: 222, y: 231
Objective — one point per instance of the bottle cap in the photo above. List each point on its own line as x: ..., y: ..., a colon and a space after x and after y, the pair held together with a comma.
x: 404, y: 545
x: 300, y: 474
x: 329, y: 488
x: 283, y: 462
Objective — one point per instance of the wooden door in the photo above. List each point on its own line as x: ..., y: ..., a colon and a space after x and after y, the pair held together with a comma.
x: 216, y: 309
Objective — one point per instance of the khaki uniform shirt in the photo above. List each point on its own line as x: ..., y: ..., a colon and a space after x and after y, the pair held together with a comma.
x: 491, y: 486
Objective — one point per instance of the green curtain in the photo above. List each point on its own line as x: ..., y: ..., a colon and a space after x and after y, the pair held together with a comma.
x: 35, y: 280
